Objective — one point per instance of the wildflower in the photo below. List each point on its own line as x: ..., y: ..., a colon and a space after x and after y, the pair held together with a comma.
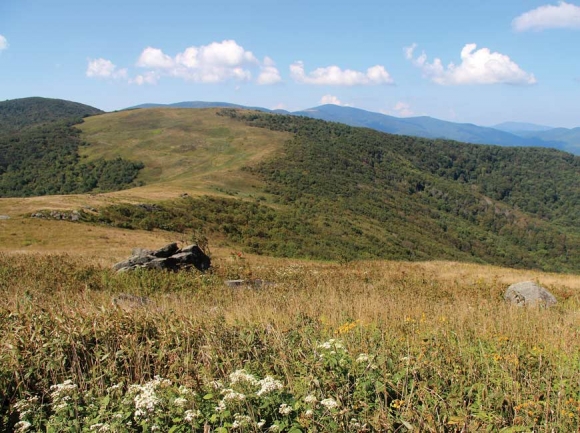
x: 363, y: 357
x: 331, y: 344
x: 185, y: 391
x: 284, y: 409
x: 221, y: 406
x: 114, y: 387
x: 329, y: 403
x: 61, y: 389
x: 269, y: 384
x: 241, y: 420
x: 310, y: 399
x: 190, y: 415
x: 230, y: 394
x: 22, y: 426
x: 261, y: 423
x: 180, y: 402
x: 309, y: 413
x: 274, y: 428
x: 100, y: 427
x: 240, y: 376
x: 154, y: 427
x: 216, y: 384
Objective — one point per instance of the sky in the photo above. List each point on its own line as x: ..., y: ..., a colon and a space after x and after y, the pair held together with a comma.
x: 476, y: 61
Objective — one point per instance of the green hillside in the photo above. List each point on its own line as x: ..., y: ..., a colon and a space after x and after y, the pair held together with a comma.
x: 39, y: 151
x: 19, y: 113
x: 341, y: 193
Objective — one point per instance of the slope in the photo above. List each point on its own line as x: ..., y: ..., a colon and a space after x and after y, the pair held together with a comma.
x: 19, y: 113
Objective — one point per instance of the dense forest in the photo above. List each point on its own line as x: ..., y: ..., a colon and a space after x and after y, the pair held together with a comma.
x: 345, y: 193
x: 18, y: 113
x: 39, y: 152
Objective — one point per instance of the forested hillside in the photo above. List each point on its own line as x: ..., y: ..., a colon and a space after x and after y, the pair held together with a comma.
x: 341, y: 193
x: 18, y: 113
x: 39, y: 151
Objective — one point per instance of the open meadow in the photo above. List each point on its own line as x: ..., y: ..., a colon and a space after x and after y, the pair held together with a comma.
x: 358, y: 346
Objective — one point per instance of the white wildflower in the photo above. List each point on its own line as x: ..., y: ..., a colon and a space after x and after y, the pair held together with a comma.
x: 180, y: 402
x: 274, y: 428
x: 363, y: 357
x: 354, y: 424
x: 241, y: 420
x: 100, y: 427
x: 240, y: 376
x: 221, y: 406
x: 329, y: 403
x: 269, y: 384
x: 118, y: 416
x: 310, y: 399
x: 261, y: 423
x: 115, y: 387
x: 230, y: 394
x: 331, y: 344
x: 309, y: 413
x: 22, y: 426
x: 190, y: 415
x: 216, y: 384
x: 183, y: 390
x: 155, y: 427
x: 284, y: 409
x: 62, y: 389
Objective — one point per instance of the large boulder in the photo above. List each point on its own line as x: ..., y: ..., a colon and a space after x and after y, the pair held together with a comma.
x: 530, y: 294
x: 169, y: 258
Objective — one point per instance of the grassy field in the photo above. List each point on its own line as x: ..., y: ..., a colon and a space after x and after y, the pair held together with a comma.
x: 183, y: 150
x: 367, y: 346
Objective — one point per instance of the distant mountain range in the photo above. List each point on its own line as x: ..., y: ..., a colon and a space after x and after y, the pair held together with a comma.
x: 505, y: 134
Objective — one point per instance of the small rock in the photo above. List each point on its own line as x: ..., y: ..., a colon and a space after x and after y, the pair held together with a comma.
x: 4, y: 217
x: 528, y: 293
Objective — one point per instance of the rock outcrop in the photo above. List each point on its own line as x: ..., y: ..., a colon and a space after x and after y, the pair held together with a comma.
x: 169, y: 258
x: 529, y: 294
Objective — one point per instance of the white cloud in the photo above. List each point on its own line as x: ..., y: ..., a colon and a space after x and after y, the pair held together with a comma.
x: 335, y: 76
x: 279, y: 106
x: 3, y: 43
x: 564, y: 15
x: 103, y: 68
x: 269, y: 74
x: 477, y: 67
x: 403, y: 109
x: 213, y: 63
x: 150, y: 77
x: 331, y: 99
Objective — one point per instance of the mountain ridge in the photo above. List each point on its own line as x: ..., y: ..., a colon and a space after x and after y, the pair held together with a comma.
x: 419, y: 126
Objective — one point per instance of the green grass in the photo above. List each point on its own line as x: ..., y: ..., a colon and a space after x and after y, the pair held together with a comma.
x: 182, y: 149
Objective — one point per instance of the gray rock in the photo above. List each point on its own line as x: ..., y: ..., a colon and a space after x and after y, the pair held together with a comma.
x: 156, y: 263
x: 254, y: 284
x: 139, y: 252
x: 166, y: 251
x: 235, y: 283
x: 198, y: 258
x: 4, y: 217
x: 528, y: 293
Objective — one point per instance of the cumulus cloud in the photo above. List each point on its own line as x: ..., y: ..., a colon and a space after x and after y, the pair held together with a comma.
x: 335, y: 76
x: 103, y: 68
x: 150, y: 77
x: 403, y: 109
x: 331, y: 99
x: 3, y: 43
x: 477, y: 67
x: 213, y: 63
x: 269, y: 74
x: 562, y: 15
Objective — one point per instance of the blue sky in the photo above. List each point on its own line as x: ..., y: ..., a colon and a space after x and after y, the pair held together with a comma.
x: 511, y: 60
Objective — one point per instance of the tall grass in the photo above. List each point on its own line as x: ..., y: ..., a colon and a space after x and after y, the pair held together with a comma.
x: 397, y: 346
